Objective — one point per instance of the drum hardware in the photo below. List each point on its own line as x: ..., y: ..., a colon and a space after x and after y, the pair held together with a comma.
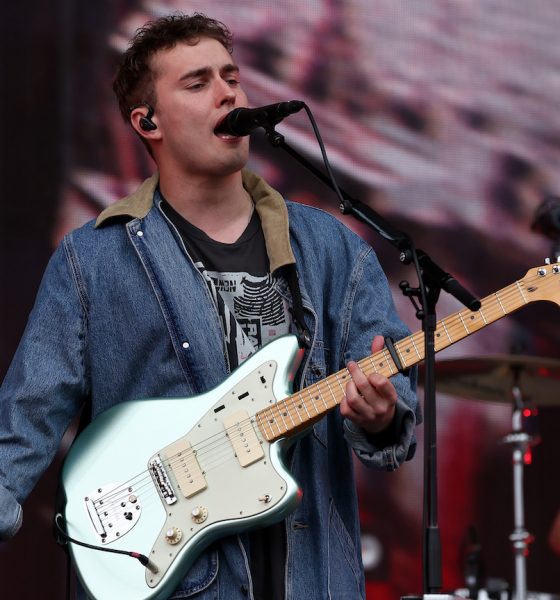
x: 501, y: 378
x: 521, y: 443
x: 492, y: 378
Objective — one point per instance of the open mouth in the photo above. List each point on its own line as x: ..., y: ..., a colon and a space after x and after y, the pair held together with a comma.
x: 222, y: 131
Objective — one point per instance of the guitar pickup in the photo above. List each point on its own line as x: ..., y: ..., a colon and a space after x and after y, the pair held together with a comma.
x: 182, y: 460
x: 243, y: 438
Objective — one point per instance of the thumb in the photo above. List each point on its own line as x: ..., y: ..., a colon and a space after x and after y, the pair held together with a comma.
x: 377, y: 344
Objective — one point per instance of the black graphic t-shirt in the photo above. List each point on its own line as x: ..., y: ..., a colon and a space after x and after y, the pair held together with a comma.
x: 252, y: 314
x: 251, y: 310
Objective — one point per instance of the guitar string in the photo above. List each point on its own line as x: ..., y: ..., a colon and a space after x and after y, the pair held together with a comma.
x: 213, y: 444
x: 206, y: 452
x: 219, y: 439
x: 207, y: 466
x: 454, y: 325
x: 210, y: 444
x: 454, y: 322
x: 212, y: 456
x: 146, y: 492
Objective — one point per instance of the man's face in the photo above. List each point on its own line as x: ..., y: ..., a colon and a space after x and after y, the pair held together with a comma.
x: 195, y: 87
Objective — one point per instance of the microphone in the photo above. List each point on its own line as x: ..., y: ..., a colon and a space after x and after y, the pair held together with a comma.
x: 242, y: 121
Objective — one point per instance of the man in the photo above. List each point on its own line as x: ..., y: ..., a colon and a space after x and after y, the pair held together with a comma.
x: 176, y: 285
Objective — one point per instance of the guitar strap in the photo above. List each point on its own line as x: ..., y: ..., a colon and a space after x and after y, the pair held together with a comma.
x: 303, y: 335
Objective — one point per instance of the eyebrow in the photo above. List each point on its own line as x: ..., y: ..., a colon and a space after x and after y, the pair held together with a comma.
x: 205, y: 71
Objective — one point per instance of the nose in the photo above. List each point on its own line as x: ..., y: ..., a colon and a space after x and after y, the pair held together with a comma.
x: 225, y: 94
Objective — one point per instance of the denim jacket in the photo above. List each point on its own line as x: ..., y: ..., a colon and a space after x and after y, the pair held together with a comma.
x: 122, y: 313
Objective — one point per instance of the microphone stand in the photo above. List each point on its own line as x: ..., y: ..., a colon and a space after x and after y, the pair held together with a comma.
x: 432, y: 279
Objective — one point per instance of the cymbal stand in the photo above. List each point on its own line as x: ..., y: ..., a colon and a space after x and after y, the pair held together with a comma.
x: 520, y: 538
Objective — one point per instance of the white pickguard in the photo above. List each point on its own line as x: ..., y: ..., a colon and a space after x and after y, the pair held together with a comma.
x: 118, y: 446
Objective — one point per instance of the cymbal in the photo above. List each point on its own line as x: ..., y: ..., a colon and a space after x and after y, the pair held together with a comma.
x: 491, y: 378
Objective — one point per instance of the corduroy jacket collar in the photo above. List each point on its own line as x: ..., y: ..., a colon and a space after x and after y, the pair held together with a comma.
x: 269, y: 204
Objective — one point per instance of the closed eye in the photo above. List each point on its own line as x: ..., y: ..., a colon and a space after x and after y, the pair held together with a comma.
x: 196, y: 86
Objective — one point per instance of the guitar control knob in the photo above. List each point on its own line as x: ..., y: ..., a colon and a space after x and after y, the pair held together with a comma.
x: 173, y: 535
x: 199, y: 514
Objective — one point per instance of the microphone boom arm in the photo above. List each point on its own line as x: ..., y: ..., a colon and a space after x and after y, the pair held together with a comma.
x: 364, y: 213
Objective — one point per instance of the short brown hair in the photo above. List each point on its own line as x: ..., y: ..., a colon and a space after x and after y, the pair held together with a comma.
x: 134, y: 82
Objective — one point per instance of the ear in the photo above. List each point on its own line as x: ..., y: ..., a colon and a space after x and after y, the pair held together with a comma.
x: 144, y: 122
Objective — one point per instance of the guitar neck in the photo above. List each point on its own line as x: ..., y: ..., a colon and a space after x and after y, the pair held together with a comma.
x: 302, y: 409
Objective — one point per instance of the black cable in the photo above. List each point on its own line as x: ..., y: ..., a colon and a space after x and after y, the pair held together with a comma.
x: 144, y: 560
x: 68, y: 576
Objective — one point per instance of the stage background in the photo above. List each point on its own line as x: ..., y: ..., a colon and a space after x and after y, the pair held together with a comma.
x: 443, y: 116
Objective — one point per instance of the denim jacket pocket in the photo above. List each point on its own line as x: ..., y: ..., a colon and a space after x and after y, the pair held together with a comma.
x: 200, y: 576
x: 316, y: 368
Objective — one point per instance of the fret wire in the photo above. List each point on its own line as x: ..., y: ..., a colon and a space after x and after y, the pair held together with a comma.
x: 296, y: 405
x: 275, y: 413
x: 454, y: 332
x: 336, y: 376
x: 509, y: 295
x: 496, y: 303
x: 304, y: 404
x: 400, y: 355
x: 521, y: 291
x: 388, y: 360
x: 483, y: 317
x: 463, y: 322
x: 419, y: 336
x: 313, y: 399
x: 273, y: 420
x: 500, y: 302
x: 288, y: 412
x: 276, y: 422
x: 372, y: 362
x: 458, y: 322
x: 403, y: 349
x: 292, y: 403
x: 331, y: 392
x: 280, y: 416
x: 445, y: 329
x: 265, y: 414
x: 262, y: 426
x: 376, y: 366
x: 415, y: 348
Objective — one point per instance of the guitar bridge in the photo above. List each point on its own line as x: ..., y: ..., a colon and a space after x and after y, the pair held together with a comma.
x: 161, y: 480
x: 113, y: 511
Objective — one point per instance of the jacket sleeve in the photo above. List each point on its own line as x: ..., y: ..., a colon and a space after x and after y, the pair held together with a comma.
x: 372, y: 312
x: 44, y: 388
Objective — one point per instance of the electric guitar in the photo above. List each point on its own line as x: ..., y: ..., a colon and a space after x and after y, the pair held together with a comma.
x: 166, y: 477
